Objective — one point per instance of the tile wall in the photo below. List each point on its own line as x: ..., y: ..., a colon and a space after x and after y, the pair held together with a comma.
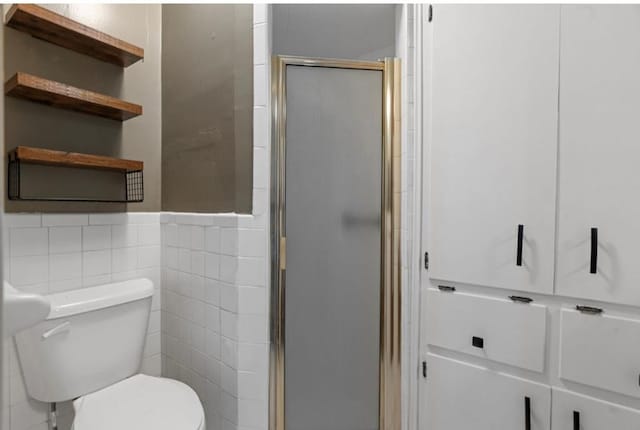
x: 49, y: 253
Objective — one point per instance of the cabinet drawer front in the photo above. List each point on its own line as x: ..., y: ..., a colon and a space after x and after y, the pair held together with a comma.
x: 462, y: 396
x: 601, y: 350
x: 496, y: 329
x: 592, y: 414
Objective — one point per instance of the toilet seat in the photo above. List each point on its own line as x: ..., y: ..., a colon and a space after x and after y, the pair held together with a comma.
x: 140, y: 402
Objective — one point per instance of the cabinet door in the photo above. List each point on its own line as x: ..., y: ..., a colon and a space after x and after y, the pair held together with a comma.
x: 494, y: 144
x: 599, y: 155
x: 574, y: 411
x: 461, y: 396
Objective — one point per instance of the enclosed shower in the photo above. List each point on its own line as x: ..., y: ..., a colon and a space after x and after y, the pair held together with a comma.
x: 335, y: 245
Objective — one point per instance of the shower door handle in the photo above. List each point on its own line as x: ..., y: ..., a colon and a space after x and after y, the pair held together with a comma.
x: 594, y: 251
x: 576, y: 420
x: 520, y: 240
x: 527, y: 413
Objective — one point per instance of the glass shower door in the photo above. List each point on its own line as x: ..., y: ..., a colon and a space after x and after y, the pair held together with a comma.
x: 334, y: 149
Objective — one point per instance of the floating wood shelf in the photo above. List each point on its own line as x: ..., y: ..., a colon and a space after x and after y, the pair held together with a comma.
x: 131, y: 170
x: 40, y: 90
x: 57, y: 29
x: 50, y: 157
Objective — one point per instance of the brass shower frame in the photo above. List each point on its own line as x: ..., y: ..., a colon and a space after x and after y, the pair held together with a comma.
x: 390, y: 269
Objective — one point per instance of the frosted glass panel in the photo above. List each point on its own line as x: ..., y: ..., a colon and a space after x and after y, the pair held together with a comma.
x: 332, y: 283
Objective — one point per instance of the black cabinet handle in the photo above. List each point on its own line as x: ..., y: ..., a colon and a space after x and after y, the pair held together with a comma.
x: 527, y: 413
x: 520, y: 239
x: 594, y: 251
x: 576, y: 420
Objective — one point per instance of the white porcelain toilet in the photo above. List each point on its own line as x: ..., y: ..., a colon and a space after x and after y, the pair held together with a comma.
x: 89, y: 350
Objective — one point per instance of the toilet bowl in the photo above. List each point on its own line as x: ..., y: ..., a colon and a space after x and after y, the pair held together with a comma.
x: 89, y: 350
x: 140, y: 402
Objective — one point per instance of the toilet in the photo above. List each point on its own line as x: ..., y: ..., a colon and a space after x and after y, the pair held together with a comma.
x: 89, y: 350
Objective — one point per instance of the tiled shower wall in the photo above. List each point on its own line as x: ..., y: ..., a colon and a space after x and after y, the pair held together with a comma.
x: 49, y: 253
x: 214, y: 310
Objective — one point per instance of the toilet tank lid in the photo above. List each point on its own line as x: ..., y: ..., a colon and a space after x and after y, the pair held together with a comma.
x: 102, y: 296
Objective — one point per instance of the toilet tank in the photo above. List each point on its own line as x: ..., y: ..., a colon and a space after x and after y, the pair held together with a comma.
x: 92, y: 338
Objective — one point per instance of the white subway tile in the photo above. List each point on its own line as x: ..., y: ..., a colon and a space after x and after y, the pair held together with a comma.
x: 259, y: 43
x: 124, y: 259
x: 184, y: 236
x: 228, y: 380
x: 197, y: 287
x: 171, y: 234
x: 65, y: 239
x: 29, y: 270
x: 252, y: 328
x: 212, y: 265
x: 197, y: 263
x: 253, y: 356
x: 260, y: 13
x: 148, y: 256
x: 259, y: 85
x: 66, y: 285
x: 152, y: 344
x: 211, y: 291
x: 96, y: 263
x: 198, y: 337
x: 184, y: 260
x: 124, y: 235
x: 252, y: 413
x: 251, y: 271
x: 50, y: 220
x: 149, y: 234
x: 252, y: 300
x: 65, y: 266
x: 13, y: 220
x: 171, y: 257
x: 212, y: 318
x: 212, y: 343
x: 252, y: 243
x: 143, y: 217
x: 229, y: 324
x: 253, y: 385
x: 229, y: 349
x: 108, y: 218
x: 261, y: 135
x: 261, y: 173
x: 197, y: 237
x: 229, y: 241
x: 229, y: 297
x: 212, y: 239
x: 90, y: 281
x: 28, y: 241
x: 96, y: 237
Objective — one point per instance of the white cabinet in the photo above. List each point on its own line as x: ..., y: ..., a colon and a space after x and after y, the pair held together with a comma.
x: 599, y: 153
x: 601, y: 350
x: 494, y: 145
x: 492, y: 328
x: 460, y: 396
x: 572, y: 411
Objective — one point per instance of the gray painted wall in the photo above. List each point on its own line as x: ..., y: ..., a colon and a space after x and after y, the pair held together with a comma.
x: 363, y: 32
x: 30, y: 124
x: 207, y: 108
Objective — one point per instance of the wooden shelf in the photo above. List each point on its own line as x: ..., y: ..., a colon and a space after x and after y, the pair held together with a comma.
x: 49, y: 157
x: 57, y: 29
x: 40, y: 90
